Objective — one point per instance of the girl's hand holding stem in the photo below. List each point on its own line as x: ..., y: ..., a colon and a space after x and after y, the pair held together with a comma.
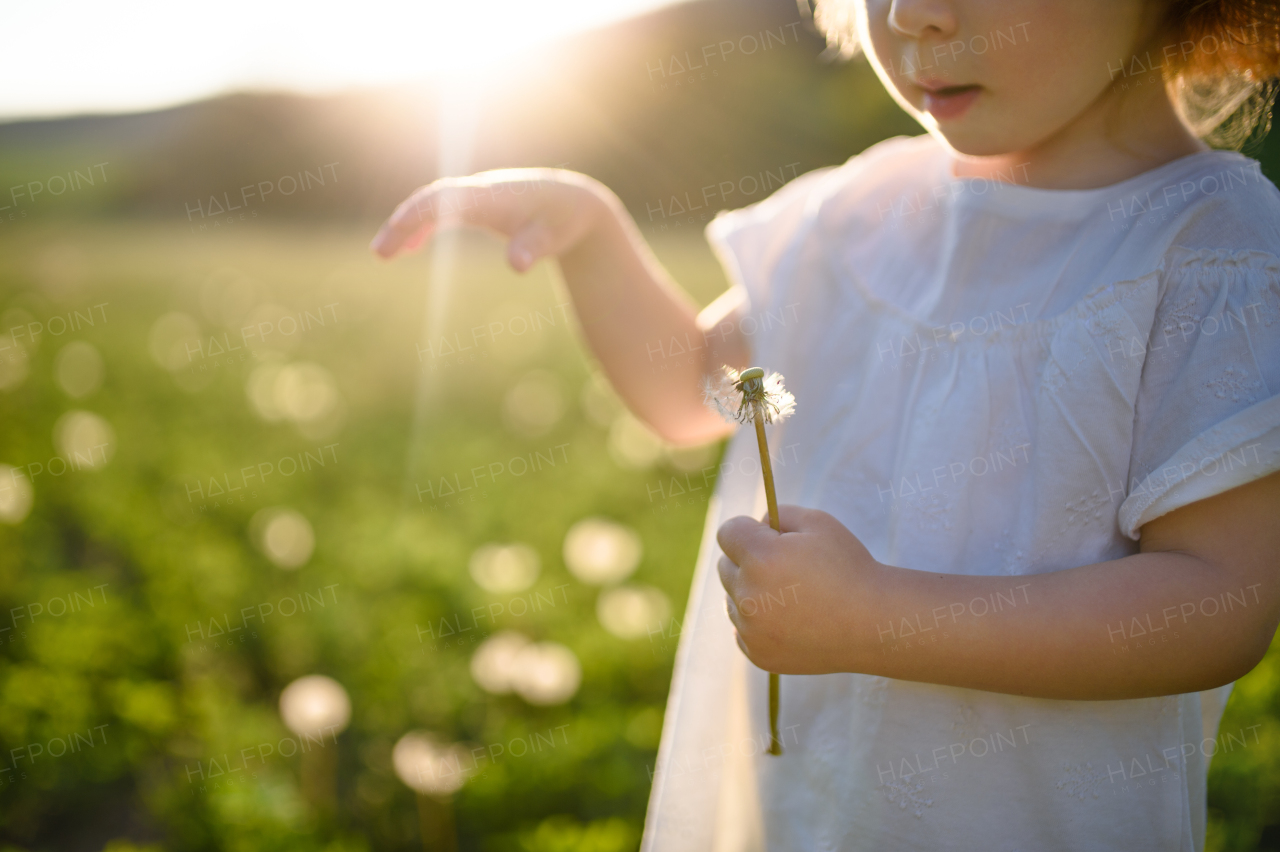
x: 792, y: 595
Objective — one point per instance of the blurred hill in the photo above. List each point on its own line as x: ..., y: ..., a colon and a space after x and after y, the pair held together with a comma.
x: 706, y: 93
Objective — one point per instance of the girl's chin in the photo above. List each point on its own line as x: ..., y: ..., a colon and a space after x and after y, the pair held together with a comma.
x: 973, y: 141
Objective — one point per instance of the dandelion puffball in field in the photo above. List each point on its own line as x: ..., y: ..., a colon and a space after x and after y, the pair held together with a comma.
x: 630, y: 612
x: 15, y: 364
x: 302, y: 392
x: 601, y: 552
x: 315, y: 706
x: 15, y: 495
x: 428, y: 766
x: 173, y: 341
x: 632, y: 444
x: 494, y: 661
x: 78, y: 368
x: 506, y: 568
x: 305, y: 392
x: 541, y: 673
x: 283, y: 535
x: 534, y: 404
x: 84, y: 439
x: 545, y: 673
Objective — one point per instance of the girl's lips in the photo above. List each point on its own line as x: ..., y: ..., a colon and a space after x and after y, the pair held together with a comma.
x: 951, y: 102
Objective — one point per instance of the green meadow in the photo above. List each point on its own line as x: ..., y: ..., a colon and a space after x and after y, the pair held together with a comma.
x: 146, y: 626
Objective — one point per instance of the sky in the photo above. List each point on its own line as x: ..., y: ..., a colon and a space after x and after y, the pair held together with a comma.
x: 76, y: 56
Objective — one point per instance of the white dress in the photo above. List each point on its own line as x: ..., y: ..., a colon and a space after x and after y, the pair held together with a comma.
x: 990, y: 379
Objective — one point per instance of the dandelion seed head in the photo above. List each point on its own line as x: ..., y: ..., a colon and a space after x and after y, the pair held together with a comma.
x: 737, y: 400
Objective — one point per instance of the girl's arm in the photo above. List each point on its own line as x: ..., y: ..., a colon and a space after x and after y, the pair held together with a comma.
x: 1195, y: 609
x: 627, y: 305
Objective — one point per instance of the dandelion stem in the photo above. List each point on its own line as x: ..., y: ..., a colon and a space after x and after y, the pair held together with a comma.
x: 766, y: 467
x: 771, y: 497
x: 775, y: 744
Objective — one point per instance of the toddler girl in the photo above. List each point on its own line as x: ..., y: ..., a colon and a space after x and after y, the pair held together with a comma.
x: 1031, y: 476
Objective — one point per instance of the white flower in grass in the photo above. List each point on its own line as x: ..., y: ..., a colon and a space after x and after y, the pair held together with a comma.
x: 15, y: 495
x: 425, y: 764
x: 542, y: 673
x: 599, y: 551
x: 631, y: 612
x: 546, y: 673
x: 500, y: 568
x: 315, y: 706
x: 283, y: 535
x: 493, y: 662
x: 84, y: 439
x: 78, y: 368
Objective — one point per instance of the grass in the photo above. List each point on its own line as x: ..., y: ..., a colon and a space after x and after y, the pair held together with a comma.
x: 176, y: 557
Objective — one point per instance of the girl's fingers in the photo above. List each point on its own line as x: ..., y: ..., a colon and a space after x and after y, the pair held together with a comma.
x: 448, y: 202
x: 413, y: 221
x: 407, y: 226
x: 535, y: 240
x: 728, y: 573
x: 415, y: 241
x: 745, y: 540
x: 731, y: 610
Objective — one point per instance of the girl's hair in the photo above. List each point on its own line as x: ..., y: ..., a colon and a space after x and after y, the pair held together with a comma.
x: 1221, y: 57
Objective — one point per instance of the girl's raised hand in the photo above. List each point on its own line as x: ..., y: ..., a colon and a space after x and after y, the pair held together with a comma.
x: 544, y: 212
x: 622, y: 297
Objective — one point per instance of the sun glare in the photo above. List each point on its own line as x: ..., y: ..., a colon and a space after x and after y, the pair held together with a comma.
x: 149, y: 54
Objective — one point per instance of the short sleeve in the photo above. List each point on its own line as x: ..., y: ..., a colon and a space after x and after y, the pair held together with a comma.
x: 1207, y: 413
x: 755, y: 244
x: 749, y: 242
